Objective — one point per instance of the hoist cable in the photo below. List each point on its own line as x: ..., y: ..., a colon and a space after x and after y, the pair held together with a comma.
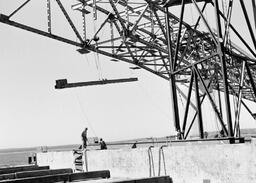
x: 85, y: 117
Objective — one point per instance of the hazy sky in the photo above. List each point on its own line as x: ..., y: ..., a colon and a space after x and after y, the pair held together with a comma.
x: 33, y: 113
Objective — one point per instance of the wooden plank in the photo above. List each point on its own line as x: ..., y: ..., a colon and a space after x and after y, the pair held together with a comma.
x: 22, y: 169
x: 38, y: 173
x: 41, y: 179
x: 62, y: 177
x: 35, y: 173
x: 161, y: 179
x: 8, y: 168
x: 7, y: 176
x: 90, y: 175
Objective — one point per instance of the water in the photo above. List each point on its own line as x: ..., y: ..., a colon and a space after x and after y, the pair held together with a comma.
x: 19, y: 156
x: 14, y: 159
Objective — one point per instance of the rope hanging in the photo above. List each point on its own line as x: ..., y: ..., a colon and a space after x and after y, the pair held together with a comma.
x: 98, y: 65
x: 84, y: 22
x: 112, y: 37
x: 94, y: 10
x: 49, y: 16
x: 85, y: 117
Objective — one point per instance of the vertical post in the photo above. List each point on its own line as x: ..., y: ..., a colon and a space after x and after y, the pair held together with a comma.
x: 198, y: 104
x: 220, y: 49
x: 174, y: 103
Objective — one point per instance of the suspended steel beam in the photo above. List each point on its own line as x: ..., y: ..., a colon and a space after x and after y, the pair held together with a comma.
x: 63, y: 83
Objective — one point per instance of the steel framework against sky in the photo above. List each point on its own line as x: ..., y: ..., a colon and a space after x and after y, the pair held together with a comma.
x: 150, y: 36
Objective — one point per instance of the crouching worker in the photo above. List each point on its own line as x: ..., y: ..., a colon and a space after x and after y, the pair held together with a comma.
x: 102, y: 144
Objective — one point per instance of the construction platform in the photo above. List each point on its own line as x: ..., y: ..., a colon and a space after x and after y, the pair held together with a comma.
x: 221, y: 161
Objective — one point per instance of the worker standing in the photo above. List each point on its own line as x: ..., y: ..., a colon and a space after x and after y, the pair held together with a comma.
x: 84, y: 138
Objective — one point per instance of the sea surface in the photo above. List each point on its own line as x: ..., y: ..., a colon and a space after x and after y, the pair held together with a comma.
x: 11, y: 157
x: 19, y: 156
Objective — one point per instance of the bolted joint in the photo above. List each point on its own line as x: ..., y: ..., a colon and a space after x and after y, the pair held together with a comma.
x: 111, y: 17
x: 86, y: 43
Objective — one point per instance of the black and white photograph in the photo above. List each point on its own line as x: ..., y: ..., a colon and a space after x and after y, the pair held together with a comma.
x: 128, y: 91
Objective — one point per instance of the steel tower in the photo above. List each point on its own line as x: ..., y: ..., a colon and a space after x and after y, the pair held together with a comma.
x: 151, y: 35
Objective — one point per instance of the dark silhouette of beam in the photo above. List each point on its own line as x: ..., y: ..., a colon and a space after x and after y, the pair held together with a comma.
x: 63, y: 83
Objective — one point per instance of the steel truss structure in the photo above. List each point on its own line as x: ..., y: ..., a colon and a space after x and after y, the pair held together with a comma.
x: 150, y: 36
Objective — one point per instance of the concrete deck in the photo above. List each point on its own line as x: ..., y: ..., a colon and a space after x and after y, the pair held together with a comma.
x: 184, y: 163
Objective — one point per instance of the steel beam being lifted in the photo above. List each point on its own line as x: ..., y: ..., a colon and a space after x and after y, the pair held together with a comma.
x: 63, y: 83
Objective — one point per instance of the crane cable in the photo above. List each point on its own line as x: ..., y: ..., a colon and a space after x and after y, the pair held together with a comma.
x: 147, y: 95
x: 84, y: 116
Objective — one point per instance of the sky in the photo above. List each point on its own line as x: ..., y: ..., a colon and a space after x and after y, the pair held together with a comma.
x: 33, y: 113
